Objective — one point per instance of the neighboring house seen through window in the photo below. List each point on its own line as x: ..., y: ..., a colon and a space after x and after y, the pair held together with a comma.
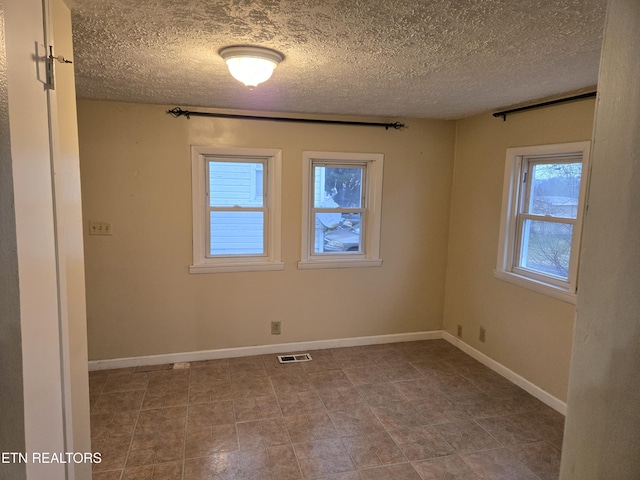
x: 543, y: 204
x: 342, y: 200
x: 236, y: 209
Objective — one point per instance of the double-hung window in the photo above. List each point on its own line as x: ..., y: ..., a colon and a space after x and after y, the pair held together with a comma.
x: 236, y: 209
x: 342, y: 201
x: 543, y: 205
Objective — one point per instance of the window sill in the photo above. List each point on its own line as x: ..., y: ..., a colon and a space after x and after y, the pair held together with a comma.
x: 333, y: 263
x: 540, y: 287
x: 235, y: 267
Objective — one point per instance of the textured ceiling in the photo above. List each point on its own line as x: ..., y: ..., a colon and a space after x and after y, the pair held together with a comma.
x: 430, y: 58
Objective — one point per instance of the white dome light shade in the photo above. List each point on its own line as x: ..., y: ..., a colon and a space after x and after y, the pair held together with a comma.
x: 251, y: 65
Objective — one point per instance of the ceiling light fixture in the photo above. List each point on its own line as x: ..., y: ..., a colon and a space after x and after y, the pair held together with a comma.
x: 251, y: 65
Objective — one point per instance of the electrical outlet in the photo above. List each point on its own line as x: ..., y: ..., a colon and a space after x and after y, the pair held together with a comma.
x: 483, y: 334
x: 276, y: 328
x: 459, y: 334
x: 99, y: 228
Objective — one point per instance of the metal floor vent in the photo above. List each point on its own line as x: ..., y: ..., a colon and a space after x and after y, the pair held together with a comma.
x: 297, y: 357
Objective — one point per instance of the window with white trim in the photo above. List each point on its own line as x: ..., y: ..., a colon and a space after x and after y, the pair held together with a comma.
x: 341, y: 212
x: 236, y: 209
x: 541, y: 224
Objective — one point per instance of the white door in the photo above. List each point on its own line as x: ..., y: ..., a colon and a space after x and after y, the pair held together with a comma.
x: 49, y: 249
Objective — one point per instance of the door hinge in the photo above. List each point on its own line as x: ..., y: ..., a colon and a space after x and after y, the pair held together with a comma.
x: 51, y: 83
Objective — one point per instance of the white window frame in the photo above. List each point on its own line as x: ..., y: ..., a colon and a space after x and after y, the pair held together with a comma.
x: 272, y: 258
x: 371, y: 211
x: 512, y: 213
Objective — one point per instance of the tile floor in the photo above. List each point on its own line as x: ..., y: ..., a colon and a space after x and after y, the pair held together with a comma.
x: 403, y: 411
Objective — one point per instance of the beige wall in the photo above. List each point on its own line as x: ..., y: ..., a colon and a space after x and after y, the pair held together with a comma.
x: 12, y: 433
x: 141, y: 299
x: 602, y: 434
x: 527, y: 332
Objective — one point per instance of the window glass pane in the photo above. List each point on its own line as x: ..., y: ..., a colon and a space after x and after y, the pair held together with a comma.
x: 546, y: 247
x: 337, y: 187
x: 259, y: 182
x: 235, y: 183
x: 343, y: 236
x: 236, y: 233
x: 555, y: 188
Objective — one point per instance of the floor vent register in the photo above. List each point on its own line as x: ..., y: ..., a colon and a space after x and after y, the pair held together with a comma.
x: 297, y: 357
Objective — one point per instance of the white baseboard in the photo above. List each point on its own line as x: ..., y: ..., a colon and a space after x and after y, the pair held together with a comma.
x: 260, y: 350
x: 510, y: 375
